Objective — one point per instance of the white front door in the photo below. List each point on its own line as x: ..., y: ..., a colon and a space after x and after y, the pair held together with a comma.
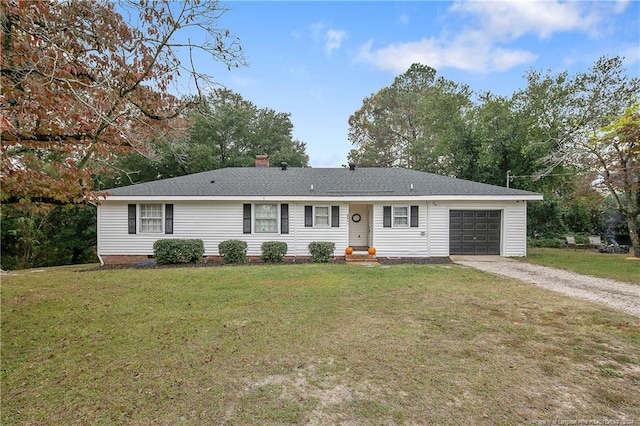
x: 359, y: 225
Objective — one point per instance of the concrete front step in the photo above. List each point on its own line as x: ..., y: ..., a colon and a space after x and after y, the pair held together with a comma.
x: 360, y: 257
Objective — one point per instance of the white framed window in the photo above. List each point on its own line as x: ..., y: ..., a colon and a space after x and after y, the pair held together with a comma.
x: 401, y: 216
x: 151, y: 218
x: 321, y: 216
x: 266, y: 218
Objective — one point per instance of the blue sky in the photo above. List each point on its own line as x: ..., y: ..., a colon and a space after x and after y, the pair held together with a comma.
x: 319, y: 60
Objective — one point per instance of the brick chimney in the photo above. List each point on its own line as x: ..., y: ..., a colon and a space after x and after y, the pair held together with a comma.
x: 262, y: 160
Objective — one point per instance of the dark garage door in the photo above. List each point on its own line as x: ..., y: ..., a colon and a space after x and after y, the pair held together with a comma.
x: 474, y: 232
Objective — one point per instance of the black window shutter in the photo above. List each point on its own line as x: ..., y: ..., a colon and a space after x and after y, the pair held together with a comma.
x: 386, y: 216
x: 414, y: 216
x: 168, y: 218
x: 335, y: 216
x: 132, y: 218
x: 246, y: 218
x: 284, y: 218
x: 308, y: 216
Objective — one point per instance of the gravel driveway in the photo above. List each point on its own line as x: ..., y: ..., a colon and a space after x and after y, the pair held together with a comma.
x: 616, y: 294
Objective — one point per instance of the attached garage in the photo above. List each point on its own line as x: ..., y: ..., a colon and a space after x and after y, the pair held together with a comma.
x: 474, y: 232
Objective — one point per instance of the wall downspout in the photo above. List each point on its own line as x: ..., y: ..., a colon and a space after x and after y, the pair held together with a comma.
x: 98, y: 235
x: 295, y: 230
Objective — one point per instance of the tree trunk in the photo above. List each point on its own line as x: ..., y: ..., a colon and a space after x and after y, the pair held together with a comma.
x: 75, y: 257
x: 633, y: 234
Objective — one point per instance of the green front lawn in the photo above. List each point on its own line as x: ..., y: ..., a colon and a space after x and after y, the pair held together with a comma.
x: 320, y: 344
x: 588, y: 262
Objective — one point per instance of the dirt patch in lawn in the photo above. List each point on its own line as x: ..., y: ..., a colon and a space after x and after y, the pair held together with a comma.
x: 329, y: 393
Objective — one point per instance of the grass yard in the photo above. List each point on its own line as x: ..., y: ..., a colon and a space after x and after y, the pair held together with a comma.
x: 588, y: 262
x: 309, y: 344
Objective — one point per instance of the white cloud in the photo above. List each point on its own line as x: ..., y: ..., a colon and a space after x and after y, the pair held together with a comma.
x: 404, y: 19
x: 333, y: 40
x: 506, y: 20
x: 330, y: 37
x: 398, y: 57
x: 317, y: 30
x: 620, y: 6
x: 465, y: 53
x: 505, y: 59
x: 364, y: 54
x: 484, y: 44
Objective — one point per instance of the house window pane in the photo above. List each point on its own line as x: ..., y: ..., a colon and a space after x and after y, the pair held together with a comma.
x: 266, y: 218
x: 322, y: 216
x: 150, y: 217
x: 401, y: 216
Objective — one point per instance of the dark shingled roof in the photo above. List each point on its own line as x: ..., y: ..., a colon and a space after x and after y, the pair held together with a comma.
x: 327, y: 182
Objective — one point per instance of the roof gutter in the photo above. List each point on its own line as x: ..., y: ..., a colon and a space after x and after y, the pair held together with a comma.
x: 351, y: 199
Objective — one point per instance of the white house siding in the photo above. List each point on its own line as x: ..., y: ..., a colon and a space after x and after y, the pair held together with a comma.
x: 113, y: 236
x: 208, y: 221
x: 216, y: 221
x: 401, y: 241
x: 438, y: 230
x: 305, y: 235
x: 212, y: 222
x: 515, y: 235
x: 513, y: 232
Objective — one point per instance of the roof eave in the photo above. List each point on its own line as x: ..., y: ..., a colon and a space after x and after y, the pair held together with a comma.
x: 351, y: 199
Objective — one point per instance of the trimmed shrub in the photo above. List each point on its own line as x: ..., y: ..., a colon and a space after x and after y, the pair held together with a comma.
x: 172, y: 251
x: 547, y: 242
x: 556, y: 241
x: 233, y: 251
x: 273, y: 251
x: 321, y: 251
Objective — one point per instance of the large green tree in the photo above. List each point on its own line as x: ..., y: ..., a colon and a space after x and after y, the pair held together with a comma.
x: 554, y: 136
x: 565, y: 111
x: 35, y: 235
x: 226, y: 131
x: 410, y: 123
x: 230, y: 131
x: 615, y: 154
x: 495, y: 145
x: 585, y: 125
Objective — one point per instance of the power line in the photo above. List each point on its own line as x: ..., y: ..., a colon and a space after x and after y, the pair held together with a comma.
x: 511, y: 177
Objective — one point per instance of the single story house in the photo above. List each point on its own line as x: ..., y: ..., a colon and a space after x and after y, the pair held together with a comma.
x: 399, y: 212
